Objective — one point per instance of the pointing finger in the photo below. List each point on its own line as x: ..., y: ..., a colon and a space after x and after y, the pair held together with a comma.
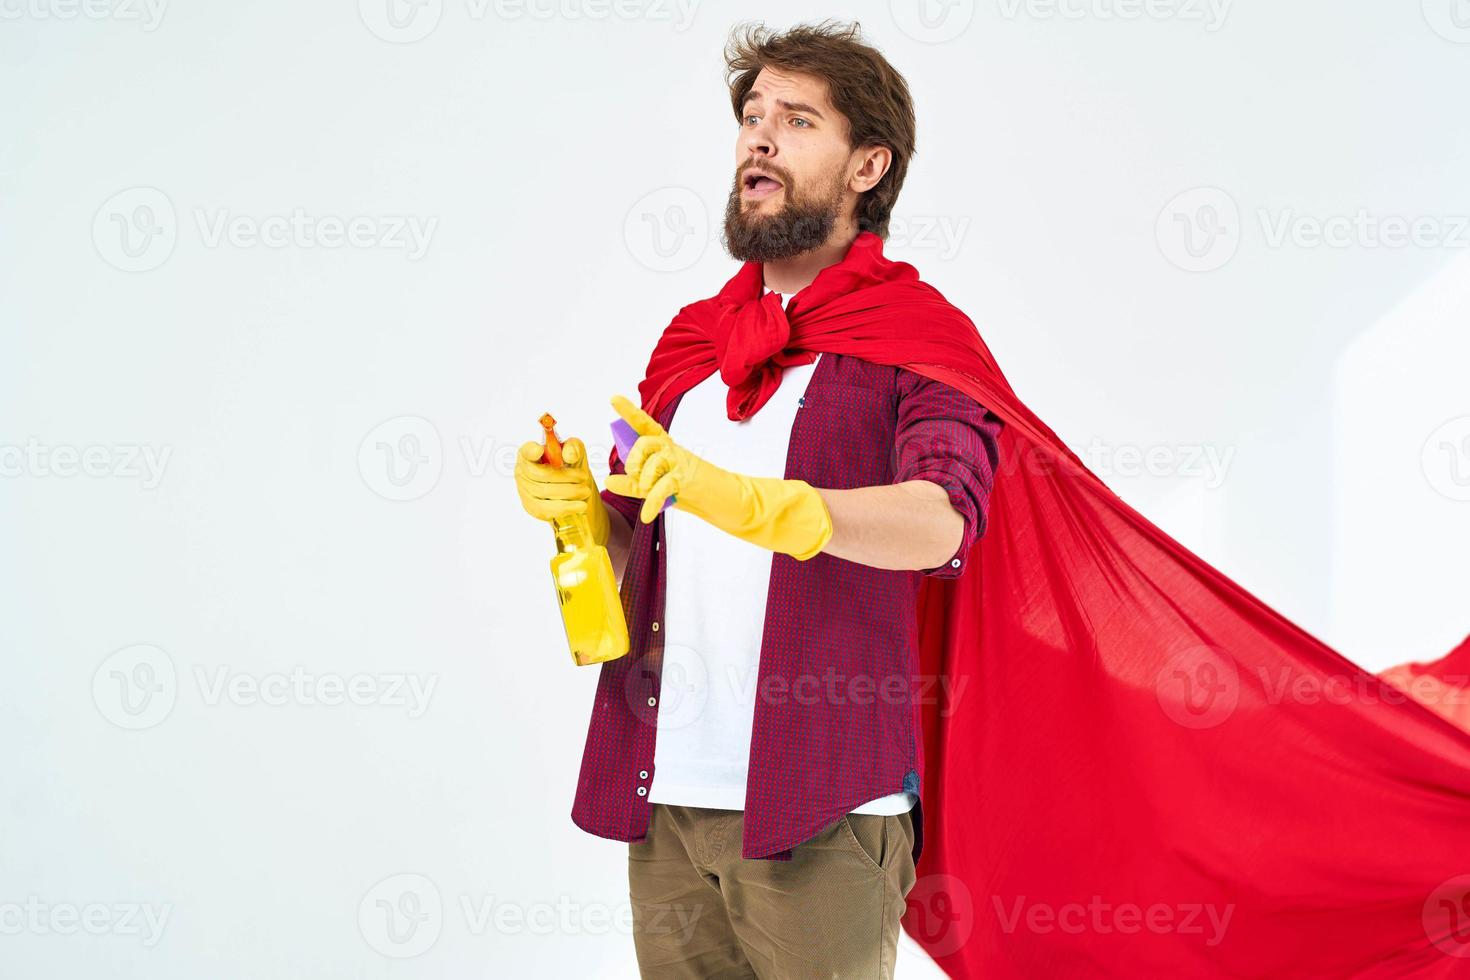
x: 642, y: 423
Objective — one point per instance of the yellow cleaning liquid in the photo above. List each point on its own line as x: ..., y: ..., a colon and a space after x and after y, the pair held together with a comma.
x: 586, y: 588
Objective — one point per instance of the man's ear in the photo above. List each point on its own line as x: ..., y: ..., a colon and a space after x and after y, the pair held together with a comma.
x: 873, y: 163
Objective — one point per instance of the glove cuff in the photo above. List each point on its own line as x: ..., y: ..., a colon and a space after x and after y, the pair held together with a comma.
x: 788, y: 516
x: 808, y: 514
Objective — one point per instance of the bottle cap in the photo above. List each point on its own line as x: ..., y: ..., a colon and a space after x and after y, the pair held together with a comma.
x: 552, y: 453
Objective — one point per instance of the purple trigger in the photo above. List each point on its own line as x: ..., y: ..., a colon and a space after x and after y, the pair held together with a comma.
x: 623, y: 438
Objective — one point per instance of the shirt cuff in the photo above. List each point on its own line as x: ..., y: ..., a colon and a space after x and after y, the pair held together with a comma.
x: 974, y: 522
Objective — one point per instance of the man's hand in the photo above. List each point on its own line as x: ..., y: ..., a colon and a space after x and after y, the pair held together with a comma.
x: 548, y: 492
x: 788, y: 516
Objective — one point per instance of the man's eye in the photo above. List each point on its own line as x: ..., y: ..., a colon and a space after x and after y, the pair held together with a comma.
x: 749, y: 118
x: 798, y: 119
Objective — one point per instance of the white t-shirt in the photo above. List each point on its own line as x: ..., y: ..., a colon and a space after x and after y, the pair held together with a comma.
x: 715, y: 610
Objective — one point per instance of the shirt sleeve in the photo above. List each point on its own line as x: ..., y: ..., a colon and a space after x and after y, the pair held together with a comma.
x: 948, y: 438
x: 627, y: 506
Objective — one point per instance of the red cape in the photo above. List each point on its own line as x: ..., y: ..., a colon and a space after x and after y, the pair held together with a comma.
x: 1141, y: 770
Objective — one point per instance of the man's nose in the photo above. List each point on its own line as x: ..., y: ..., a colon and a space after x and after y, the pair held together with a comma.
x: 759, y: 141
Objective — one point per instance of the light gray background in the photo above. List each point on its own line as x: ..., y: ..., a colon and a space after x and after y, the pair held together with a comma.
x: 1102, y: 185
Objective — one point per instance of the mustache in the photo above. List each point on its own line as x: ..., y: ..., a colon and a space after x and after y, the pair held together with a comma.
x: 779, y: 173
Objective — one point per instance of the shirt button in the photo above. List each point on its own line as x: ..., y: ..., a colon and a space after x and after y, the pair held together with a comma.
x: 655, y: 626
x: 652, y: 702
x: 655, y: 545
x: 642, y: 790
x: 955, y: 563
x: 642, y: 773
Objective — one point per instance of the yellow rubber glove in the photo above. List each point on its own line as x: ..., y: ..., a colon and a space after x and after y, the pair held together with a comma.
x: 548, y: 492
x: 788, y: 516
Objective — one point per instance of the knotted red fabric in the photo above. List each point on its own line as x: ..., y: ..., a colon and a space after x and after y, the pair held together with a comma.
x: 1141, y: 769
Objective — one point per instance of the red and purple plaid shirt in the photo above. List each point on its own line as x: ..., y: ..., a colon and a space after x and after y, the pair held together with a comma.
x: 838, y: 690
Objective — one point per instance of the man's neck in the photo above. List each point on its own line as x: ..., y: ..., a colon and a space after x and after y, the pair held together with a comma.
x: 787, y: 276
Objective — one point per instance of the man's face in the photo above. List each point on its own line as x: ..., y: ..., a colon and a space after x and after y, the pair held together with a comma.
x: 792, y: 170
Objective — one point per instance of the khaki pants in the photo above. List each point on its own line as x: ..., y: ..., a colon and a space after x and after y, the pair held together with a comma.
x: 701, y: 911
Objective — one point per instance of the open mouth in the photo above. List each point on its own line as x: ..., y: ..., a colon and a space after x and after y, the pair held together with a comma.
x: 757, y: 185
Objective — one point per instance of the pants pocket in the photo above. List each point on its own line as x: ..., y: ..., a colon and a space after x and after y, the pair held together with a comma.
x: 871, y: 836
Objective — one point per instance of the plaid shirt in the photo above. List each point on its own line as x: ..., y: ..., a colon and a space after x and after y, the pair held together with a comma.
x: 838, y: 691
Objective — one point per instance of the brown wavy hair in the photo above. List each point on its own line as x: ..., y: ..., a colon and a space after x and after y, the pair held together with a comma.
x: 861, y: 85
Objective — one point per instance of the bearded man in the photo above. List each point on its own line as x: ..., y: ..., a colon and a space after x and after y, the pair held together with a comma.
x: 760, y: 748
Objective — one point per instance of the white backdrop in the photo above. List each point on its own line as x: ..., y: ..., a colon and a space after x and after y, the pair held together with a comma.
x: 284, y: 285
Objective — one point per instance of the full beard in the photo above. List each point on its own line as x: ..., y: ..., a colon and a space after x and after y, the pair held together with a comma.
x: 800, y: 226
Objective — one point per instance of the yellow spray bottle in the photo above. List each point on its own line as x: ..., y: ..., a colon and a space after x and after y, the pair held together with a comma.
x: 586, y: 588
